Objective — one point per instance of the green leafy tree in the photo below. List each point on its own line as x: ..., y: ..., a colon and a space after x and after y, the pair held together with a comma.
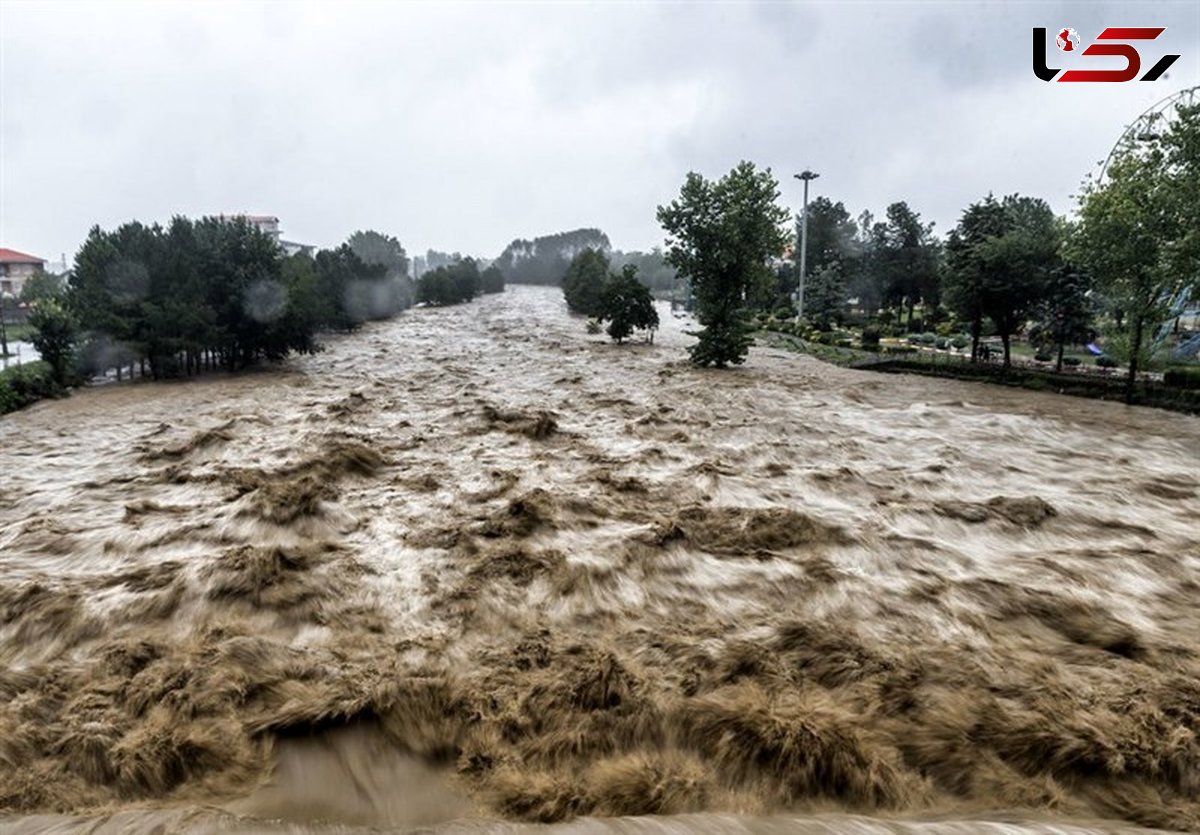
x: 465, y: 275
x: 196, y: 294
x: 832, y: 247
x: 825, y: 295
x: 491, y: 280
x: 454, y: 284
x: 436, y: 288
x: 1064, y: 315
x: 42, y: 286
x: 831, y: 234
x: 1181, y: 179
x: 627, y: 304
x: 395, y: 290
x: 1137, y: 233
x: 583, y: 283
x: 721, y: 236
x: 1018, y: 265
x: 652, y: 268
x: 1001, y: 258
x: 966, y: 272
x: 55, y: 335
x: 384, y: 250
x: 543, y: 260
x: 863, y: 273
x: 906, y: 259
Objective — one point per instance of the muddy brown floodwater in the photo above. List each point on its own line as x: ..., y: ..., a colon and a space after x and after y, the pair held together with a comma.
x: 472, y: 569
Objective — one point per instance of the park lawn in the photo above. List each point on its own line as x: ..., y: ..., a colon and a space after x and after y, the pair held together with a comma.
x: 18, y: 332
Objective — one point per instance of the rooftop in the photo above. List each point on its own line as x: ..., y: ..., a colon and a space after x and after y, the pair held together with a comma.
x: 11, y: 256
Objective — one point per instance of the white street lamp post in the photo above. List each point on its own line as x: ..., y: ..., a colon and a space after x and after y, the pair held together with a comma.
x: 805, y: 175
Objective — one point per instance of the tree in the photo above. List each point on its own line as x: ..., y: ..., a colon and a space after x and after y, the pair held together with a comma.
x: 966, y: 268
x: 436, y: 287
x: 377, y: 249
x: 627, y: 304
x: 1065, y: 312
x: 55, y: 335
x: 863, y: 275
x: 453, y: 284
x: 1018, y: 264
x: 583, y: 283
x: 42, y: 286
x: 720, y: 236
x: 1001, y: 257
x: 1138, y: 235
x: 491, y: 280
x: 465, y: 276
x: 652, y: 270
x: 1181, y: 146
x: 385, y: 250
x: 906, y: 259
x: 825, y: 295
x: 543, y: 260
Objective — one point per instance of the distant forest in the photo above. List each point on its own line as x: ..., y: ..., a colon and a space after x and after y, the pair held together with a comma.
x: 544, y: 260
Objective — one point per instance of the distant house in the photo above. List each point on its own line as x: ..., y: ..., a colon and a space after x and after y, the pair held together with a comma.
x: 16, y: 268
x: 270, y: 225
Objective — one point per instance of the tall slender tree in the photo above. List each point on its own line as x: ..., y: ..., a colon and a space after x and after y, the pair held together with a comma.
x: 721, y: 235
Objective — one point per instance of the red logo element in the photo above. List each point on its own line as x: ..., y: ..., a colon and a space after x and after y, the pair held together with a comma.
x: 1067, y: 37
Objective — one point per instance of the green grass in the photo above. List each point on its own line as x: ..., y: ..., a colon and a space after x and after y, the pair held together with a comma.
x: 829, y: 353
x: 18, y: 332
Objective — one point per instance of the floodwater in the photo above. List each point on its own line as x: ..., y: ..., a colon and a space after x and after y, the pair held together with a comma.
x: 473, y: 569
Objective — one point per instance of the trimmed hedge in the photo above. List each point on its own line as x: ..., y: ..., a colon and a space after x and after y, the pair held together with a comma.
x: 1164, y: 395
x: 1184, y: 378
x: 25, y: 384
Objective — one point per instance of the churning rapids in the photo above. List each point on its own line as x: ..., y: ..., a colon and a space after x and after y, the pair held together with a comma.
x: 473, y: 569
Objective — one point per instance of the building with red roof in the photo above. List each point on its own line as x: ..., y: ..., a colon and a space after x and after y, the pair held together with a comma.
x: 16, y: 268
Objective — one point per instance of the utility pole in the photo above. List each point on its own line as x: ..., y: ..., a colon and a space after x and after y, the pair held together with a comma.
x: 3, y: 332
x: 804, y: 175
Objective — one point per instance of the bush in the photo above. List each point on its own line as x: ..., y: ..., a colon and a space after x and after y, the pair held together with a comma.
x: 845, y: 343
x: 960, y: 342
x: 593, y: 326
x: 785, y: 312
x: 1042, y: 356
x: 928, y: 338
x: 1071, y: 361
x: 870, y: 338
x: 914, y: 339
x: 942, y: 343
x: 900, y: 349
x: 1184, y: 378
x: 25, y: 384
x: 1106, y: 362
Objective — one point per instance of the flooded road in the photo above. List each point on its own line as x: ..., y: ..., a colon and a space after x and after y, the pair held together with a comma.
x: 473, y: 568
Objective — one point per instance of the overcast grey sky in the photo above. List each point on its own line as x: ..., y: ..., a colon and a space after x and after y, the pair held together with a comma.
x: 460, y: 127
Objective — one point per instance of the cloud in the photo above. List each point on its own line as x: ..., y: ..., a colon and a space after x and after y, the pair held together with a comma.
x: 461, y: 127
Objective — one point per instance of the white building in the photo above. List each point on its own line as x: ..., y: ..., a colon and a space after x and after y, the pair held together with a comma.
x: 270, y: 225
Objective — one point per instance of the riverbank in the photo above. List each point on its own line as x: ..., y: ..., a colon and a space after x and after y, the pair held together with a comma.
x: 1100, y: 384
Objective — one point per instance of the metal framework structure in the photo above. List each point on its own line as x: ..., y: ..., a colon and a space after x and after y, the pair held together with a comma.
x: 1151, y: 123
